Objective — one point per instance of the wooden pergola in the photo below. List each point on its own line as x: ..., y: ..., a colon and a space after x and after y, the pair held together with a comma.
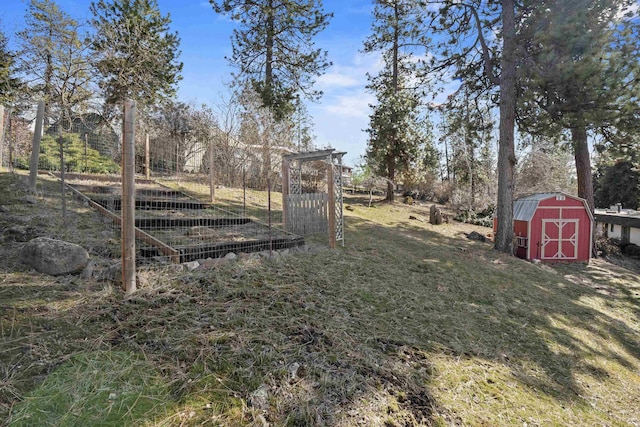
x: 313, y: 212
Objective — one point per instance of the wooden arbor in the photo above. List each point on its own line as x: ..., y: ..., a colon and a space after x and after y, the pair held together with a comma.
x: 308, y: 213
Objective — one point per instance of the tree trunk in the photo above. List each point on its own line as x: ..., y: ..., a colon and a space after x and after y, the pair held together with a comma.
x: 506, y: 150
x: 391, y: 169
x: 268, y: 74
x: 583, y: 165
x: 35, y: 148
x: 1, y: 135
x: 391, y: 162
x: 48, y: 87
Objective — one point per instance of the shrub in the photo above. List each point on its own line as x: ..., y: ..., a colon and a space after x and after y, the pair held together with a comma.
x: 607, y: 246
x: 77, y: 159
x: 483, y: 217
x: 631, y: 250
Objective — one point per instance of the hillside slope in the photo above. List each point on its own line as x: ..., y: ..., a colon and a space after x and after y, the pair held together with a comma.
x: 407, y: 324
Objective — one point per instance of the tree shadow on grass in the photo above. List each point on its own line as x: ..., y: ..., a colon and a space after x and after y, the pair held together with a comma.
x: 346, y: 336
x: 521, y: 313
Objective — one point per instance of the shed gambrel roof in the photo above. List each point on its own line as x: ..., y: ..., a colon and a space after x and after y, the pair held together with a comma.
x: 525, y: 207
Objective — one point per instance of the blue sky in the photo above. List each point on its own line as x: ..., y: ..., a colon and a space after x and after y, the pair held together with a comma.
x: 341, y: 115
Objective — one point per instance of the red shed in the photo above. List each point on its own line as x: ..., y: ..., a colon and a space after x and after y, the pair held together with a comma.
x: 552, y: 227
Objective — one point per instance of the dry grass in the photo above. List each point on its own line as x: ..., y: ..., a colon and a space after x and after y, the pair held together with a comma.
x: 409, y: 324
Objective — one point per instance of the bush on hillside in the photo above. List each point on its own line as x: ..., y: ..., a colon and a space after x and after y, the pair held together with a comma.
x: 482, y: 217
x: 77, y: 158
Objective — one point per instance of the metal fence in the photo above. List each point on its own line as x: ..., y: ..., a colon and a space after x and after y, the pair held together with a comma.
x: 195, y: 200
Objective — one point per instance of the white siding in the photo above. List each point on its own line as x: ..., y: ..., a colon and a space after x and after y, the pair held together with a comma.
x: 635, y: 236
x: 616, y: 233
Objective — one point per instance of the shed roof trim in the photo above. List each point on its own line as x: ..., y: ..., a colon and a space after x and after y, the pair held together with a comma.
x: 525, y: 207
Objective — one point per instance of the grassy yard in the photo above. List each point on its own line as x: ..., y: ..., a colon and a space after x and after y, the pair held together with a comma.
x: 408, y: 324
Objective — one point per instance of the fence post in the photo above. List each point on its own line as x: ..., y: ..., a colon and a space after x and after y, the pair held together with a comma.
x: 63, y: 187
x: 212, y: 177
x: 285, y: 192
x: 35, y: 147
x: 128, y: 197
x: 1, y: 135
x: 147, y: 162
x: 331, y: 209
x: 269, y: 207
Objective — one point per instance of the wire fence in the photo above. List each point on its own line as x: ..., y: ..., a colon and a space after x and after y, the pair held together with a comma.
x: 195, y: 199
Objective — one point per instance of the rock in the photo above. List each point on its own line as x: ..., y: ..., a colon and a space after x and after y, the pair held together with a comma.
x: 3, y: 209
x: 259, y: 398
x: 474, y: 235
x: 208, y: 264
x: 191, y: 265
x: 54, y: 257
x: 293, y: 370
x: 87, y: 272
x: 231, y: 256
x: 30, y: 199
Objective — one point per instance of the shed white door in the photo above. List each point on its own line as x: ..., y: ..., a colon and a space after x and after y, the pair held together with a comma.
x: 559, y: 238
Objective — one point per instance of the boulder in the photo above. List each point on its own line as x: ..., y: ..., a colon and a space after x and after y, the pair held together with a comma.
x: 191, y: 265
x: 231, y: 256
x: 54, y: 257
x: 30, y: 200
x: 474, y: 235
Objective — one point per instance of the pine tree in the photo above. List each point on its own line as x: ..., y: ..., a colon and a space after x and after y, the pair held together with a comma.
x: 273, y: 49
x: 466, y: 49
x: 617, y: 175
x: 49, y: 34
x: 394, y: 129
x: 580, y: 75
x: 469, y: 127
x: 9, y: 83
x: 136, y: 53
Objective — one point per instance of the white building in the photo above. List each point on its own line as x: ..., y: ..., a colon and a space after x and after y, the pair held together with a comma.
x: 618, y: 223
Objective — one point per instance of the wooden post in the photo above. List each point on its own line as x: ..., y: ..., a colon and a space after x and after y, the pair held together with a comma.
x: 1, y: 135
x: 269, y: 207
x: 212, y: 176
x: 128, y: 197
x: 35, y: 147
x: 63, y: 194
x: 332, y: 203
x: 285, y: 192
x: 147, y: 161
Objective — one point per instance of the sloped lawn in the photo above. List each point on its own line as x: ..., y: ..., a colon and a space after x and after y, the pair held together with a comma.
x: 408, y: 324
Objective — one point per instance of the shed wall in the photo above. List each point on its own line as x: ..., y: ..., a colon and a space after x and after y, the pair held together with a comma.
x: 521, y: 229
x: 572, y: 210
